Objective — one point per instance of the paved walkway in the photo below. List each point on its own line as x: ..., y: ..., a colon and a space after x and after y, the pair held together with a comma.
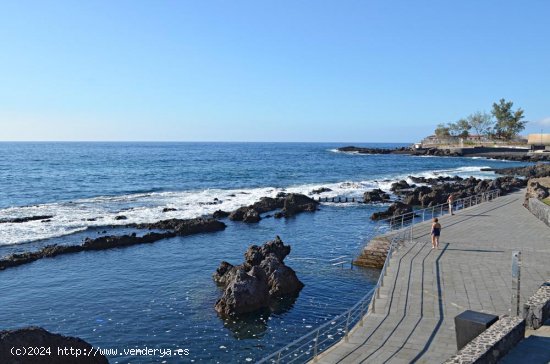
x: 425, y: 289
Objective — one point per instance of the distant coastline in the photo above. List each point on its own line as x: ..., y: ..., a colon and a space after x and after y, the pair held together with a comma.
x: 500, y: 153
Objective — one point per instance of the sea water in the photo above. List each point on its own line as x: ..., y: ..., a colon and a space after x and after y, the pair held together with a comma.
x: 161, y: 295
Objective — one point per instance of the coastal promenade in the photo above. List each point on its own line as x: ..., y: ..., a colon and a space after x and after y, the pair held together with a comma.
x: 425, y: 289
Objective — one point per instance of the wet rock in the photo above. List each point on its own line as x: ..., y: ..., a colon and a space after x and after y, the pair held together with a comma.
x: 268, y: 204
x: 18, y: 220
x: 375, y: 196
x: 281, y: 279
x: 534, y: 171
x: 245, y: 214
x: 185, y: 226
x: 220, y: 214
x: 251, y: 216
x: 175, y: 226
x: 121, y: 217
x: 399, y: 185
x: 258, y: 281
x: 321, y: 190
x: 246, y: 292
x: 38, y: 337
x: 295, y: 203
x: 395, y: 209
x: 169, y: 209
x: 225, y: 273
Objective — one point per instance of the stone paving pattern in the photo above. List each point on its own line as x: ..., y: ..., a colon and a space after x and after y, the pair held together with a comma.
x: 425, y: 289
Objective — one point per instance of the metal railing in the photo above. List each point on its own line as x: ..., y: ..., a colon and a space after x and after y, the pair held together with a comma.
x: 418, y: 216
x: 310, y: 345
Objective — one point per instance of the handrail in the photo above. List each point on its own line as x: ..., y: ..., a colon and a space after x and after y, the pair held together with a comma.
x: 389, y: 224
x: 462, y: 202
x: 309, y: 346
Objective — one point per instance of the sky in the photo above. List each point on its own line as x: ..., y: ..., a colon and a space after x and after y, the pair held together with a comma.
x: 266, y: 70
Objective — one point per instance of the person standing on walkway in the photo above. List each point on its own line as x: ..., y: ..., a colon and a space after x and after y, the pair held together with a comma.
x: 450, y: 201
x: 436, y: 232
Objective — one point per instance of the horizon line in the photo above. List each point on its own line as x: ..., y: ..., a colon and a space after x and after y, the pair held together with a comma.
x: 191, y: 141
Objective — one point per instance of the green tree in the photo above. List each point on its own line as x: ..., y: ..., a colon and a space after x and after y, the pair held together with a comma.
x: 481, y: 122
x: 509, y: 123
x: 463, y: 128
x: 442, y: 131
x: 459, y: 129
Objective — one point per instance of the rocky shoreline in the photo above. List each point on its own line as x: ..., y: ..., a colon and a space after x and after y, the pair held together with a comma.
x: 485, y: 152
x: 435, y: 191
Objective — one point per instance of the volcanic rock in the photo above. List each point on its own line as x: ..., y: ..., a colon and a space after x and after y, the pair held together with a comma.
x: 36, y: 337
x: 260, y: 279
x: 375, y: 196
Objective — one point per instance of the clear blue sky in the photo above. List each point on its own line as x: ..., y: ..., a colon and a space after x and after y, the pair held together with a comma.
x: 266, y: 70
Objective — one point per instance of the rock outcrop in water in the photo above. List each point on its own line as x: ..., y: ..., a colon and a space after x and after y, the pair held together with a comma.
x: 18, y: 220
x: 174, y: 227
x: 376, y: 195
x: 254, y: 284
x: 46, y: 343
x: 290, y: 204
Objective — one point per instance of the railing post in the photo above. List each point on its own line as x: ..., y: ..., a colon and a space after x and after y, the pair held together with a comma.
x: 402, y: 220
x: 279, y: 355
x: 423, y: 212
x: 347, y: 327
x: 373, y: 305
x: 516, y: 283
x: 315, y: 348
x: 362, y: 313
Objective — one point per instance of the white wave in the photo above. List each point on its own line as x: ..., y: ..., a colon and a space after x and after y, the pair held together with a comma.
x: 78, y: 215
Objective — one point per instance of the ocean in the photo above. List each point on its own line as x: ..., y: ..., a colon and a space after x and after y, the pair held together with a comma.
x: 162, y: 295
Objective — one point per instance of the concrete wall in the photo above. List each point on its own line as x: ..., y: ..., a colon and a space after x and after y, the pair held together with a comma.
x: 481, y: 150
x: 493, y: 343
x: 540, y: 210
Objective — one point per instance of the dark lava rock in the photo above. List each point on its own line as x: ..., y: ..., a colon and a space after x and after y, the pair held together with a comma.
x: 399, y: 185
x: 375, y: 196
x: 185, y: 226
x: 246, y: 292
x: 36, y: 337
x: 169, y: 209
x: 395, y: 209
x: 175, y: 226
x: 245, y: 214
x: 290, y: 204
x: 281, y: 279
x: 295, y: 203
x: 18, y: 220
x: 220, y: 214
x: 535, y: 171
x: 251, y: 216
x: 321, y: 190
x: 121, y: 217
x: 258, y: 281
x: 268, y: 204
x: 361, y: 150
